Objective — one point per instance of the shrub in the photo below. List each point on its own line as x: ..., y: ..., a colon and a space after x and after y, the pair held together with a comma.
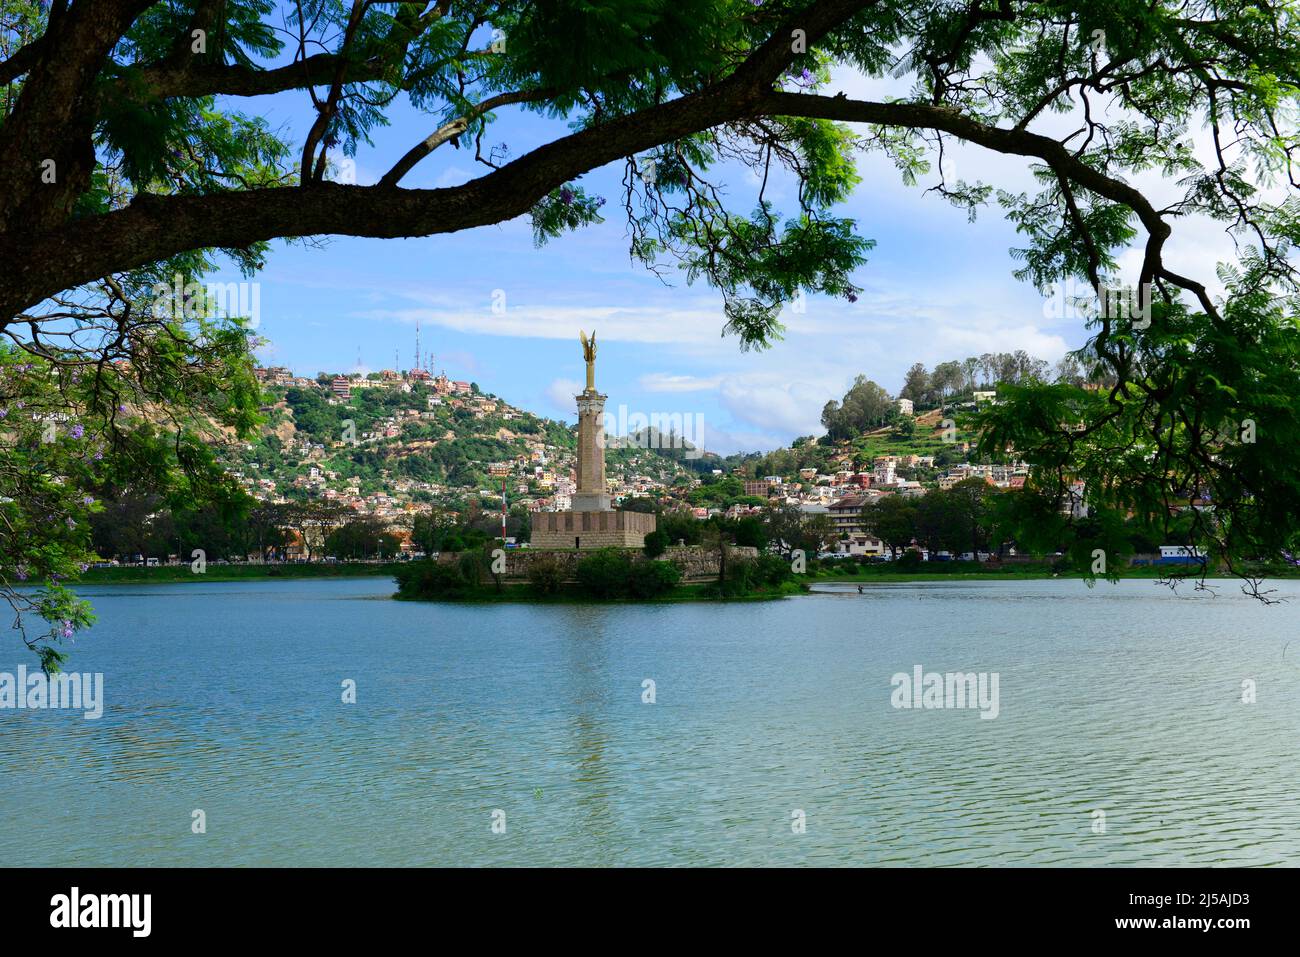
x: 545, y: 574
x: 909, y: 561
x: 604, y: 573
x: 771, y: 569
x: 656, y: 543
x: 429, y: 579
x: 652, y: 579
x: 472, y: 565
x: 739, y: 580
x: 750, y: 531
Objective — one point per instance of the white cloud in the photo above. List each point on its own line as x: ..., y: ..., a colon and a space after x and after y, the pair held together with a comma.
x: 560, y: 393
x: 959, y: 341
x: 667, y: 382
x: 729, y: 441
x: 782, y: 407
x: 644, y: 324
x: 452, y: 176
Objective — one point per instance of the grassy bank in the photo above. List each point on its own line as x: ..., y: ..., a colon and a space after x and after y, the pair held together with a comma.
x: 134, y: 575
x: 885, y: 573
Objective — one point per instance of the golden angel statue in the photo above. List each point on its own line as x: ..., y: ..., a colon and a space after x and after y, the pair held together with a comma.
x: 589, y: 353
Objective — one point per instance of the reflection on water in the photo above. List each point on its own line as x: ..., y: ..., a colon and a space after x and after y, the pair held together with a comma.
x: 227, y: 697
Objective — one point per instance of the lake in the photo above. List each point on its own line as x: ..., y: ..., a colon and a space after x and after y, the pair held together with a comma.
x: 517, y: 734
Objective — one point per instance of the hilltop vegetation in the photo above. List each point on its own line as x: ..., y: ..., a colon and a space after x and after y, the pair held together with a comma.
x: 867, y: 421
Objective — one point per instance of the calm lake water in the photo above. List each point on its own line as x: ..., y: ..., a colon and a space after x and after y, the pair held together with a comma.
x: 227, y: 698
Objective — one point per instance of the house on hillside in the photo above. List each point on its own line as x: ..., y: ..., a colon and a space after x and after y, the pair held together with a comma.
x: 846, y: 514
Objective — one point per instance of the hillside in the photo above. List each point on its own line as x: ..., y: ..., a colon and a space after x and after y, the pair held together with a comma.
x: 391, y: 442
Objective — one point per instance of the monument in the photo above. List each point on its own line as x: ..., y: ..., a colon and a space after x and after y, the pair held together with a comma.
x: 592, y: 522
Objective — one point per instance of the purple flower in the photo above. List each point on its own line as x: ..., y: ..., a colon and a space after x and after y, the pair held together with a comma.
x: 77, y: 431
x: 21, y: 573
x: 70, y: 522
x: 566, y: 195
x: 66, y: 628
x: 853, y: 297
x: 88, y: 500
x: 4, y: 413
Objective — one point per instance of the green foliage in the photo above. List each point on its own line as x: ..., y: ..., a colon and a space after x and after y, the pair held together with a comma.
x: 1201, y: 442
x: 771, y: 569
x: 656, y: 543
x: 866, y: 405
x: 892, y: 519
x: 717, y: 490
x: 749, y: 531
x: 473, y: 566
x: 788, y: 529
x: 679, y: 527
x: 605, y: 572
x: 362, y: 538
x: 758, y: 269
x: 652, y: 579
x: 910, y: 561
x: 564, y: 209
x: 546, y: 574
x: 610, y: 573
x: 431, y: 579
x: 72, y: 432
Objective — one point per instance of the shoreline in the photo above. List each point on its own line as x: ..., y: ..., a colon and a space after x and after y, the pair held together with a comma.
x: 174, y: 574
x: 519, y: 591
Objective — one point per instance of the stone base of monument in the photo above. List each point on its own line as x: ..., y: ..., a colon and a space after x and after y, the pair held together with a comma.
x: 592, y: 502
x: 586, y: 530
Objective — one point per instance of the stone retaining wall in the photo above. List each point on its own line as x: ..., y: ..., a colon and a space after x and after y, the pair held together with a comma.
x: 696, y: 563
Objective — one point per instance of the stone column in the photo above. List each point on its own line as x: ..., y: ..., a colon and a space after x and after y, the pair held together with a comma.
x: 592, y: 495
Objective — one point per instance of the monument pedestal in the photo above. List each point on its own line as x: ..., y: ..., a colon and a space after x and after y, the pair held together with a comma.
x: 587, y: 530
x: 592, y: 501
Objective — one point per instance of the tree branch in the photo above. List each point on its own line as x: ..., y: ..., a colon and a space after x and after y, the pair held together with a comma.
x: 155, y: 227
x: 455, y: 128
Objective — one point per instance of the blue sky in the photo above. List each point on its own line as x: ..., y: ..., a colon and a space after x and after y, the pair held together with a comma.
x: 936, y: 287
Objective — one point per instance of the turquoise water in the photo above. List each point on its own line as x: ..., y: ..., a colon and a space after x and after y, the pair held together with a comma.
x: 227, y: 698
